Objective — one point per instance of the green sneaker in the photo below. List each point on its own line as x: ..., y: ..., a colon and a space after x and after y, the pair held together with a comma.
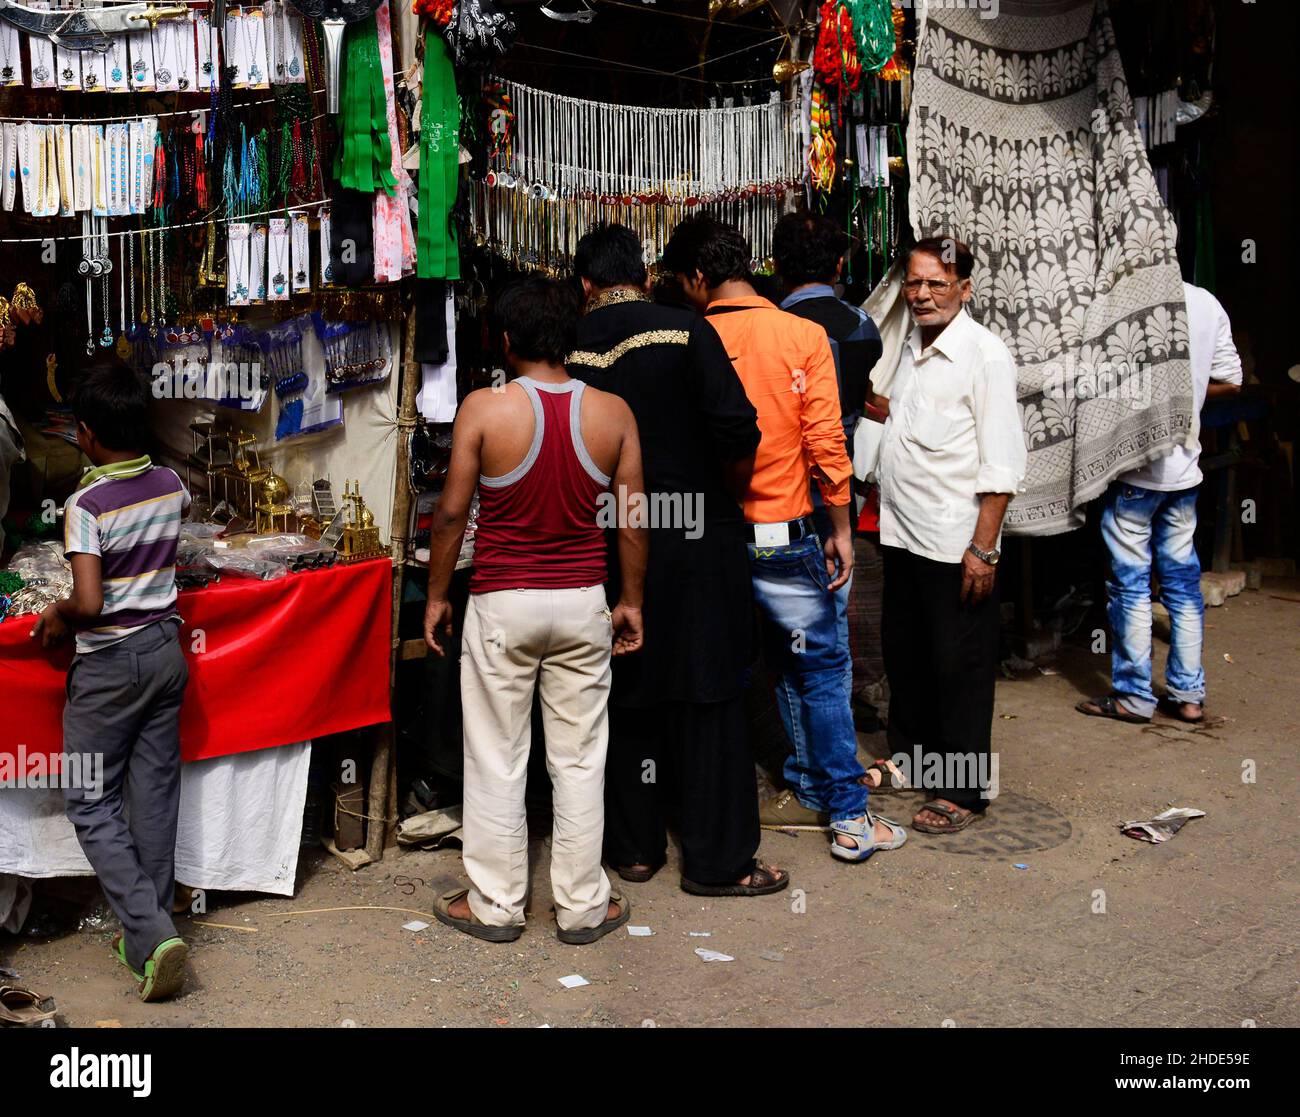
x: 119, y: 952
x: 785, y: 812
x: 164, y: 972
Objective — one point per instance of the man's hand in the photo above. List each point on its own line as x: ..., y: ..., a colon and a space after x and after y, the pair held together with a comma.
x: 976, y: 578
x: 629, y: 634
x: 50, y: 626
x: 437, y: 621
x: 839, y: 557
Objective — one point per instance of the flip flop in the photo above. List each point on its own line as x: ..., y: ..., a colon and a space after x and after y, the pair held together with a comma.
x: 22, y: 1008
x: 892, y: 779
x: 119, y: 952
x: 473, y: 925
x: 580, y: 936
x: 639, y: 876
x: 763, y: 881
x: 958, y: 822
x: 164, y: 972
x: 1106, y: 707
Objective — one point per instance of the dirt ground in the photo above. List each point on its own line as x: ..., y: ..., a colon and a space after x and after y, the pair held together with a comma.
x: 1044, y: 914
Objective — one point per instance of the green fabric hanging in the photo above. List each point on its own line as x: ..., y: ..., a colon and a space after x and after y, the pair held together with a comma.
x: 364, y: 158
x: 873, y: 32
x: 437, y: 253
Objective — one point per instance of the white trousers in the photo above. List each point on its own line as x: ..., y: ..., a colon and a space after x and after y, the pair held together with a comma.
x: 514, y: 640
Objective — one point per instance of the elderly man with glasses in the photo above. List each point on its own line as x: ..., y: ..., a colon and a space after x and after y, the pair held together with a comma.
x: 951, y: 458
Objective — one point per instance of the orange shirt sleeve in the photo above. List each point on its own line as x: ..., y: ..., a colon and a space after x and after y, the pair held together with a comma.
x: 819, y: 420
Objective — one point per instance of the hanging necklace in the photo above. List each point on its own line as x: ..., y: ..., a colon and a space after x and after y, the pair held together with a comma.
x: 7, y: 63
x: 280, y: 247
x: 106, y: 338
x: 115, y: 60
x: 178, y: 30
x: 162, y: 73
x: 247, y: 25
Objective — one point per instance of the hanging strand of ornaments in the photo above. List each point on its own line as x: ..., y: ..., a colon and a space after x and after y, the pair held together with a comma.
x: 560, y: 164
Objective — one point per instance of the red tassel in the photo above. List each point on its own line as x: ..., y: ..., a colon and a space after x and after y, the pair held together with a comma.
x: 201, y: 174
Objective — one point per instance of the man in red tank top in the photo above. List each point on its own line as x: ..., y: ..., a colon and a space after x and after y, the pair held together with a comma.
x: 543, y: 450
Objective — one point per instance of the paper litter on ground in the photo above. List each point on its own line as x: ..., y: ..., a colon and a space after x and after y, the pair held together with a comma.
x: 1161, y: 828
x: 573, y: 981
x: 713, y: 955
x: 415, y: 925
x: 639, y: 932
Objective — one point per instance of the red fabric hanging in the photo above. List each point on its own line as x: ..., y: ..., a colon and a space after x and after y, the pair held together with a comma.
x: 284, y: 661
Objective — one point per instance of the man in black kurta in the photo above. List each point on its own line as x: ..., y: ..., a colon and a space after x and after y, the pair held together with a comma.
x: 677, y: 714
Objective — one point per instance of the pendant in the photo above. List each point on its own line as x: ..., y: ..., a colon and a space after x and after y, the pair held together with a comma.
x: 241, y: 292
x: 106, y: 338
x: 123, y: 348
x: 41, y: 73
x: 7, y: 73
x: 207, y: 68
x: 184, y: 83
x: 255, y: 73
x: 90, y: 347
x: 279, y: 69
x: 300, y: 277
x: 67, y: 73
x: 138, y: 67
x: 117, y: 74
x: 278, y: 281
x: 91, y: 81
x: 293, y: 67
x: 163, y: 76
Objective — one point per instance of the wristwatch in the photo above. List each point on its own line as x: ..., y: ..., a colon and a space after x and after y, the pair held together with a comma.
x: 991, y: 557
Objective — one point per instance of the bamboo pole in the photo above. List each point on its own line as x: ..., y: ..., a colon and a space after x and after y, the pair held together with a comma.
x: 382, y: 807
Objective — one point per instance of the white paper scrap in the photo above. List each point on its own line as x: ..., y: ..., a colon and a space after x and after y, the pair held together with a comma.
x: 713, y: 955
x: 573, y: 981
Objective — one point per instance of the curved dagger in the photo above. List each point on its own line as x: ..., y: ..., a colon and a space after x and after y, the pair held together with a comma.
x: 87, y: 28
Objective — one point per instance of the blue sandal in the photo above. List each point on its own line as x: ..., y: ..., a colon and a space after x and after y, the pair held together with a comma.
x: 863, y: 835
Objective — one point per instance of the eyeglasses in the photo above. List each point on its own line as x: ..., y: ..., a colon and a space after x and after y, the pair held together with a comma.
x: 937, y: 286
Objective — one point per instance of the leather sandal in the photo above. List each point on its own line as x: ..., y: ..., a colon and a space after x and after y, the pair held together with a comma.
x: 580, y: 936
x: 22, y: 1008
x: 1107, y: 707
x: 488, y: 932
x: 955, y: 821
x: 763, y: 881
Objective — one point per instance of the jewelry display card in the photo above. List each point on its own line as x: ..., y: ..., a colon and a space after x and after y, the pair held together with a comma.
x: 94, y: 72
x: 326, y: 271
x: 209, y: 53
x: 295, y: 68
x: 41, y: 51
x: 237, y: 246
x: 142, y: 61
x: 98, y: 179
x: 8, y: 163
x: 166, y: 56
x: 63, y: 145
x: 301, y: 253
x: 11, y: 55
x: 233, y: 43
x: 255, y: 49
x: 116, y: 64
x: 188, y: 78
x: 117, y: 153
x: 257, y: 263
x: 26, y: 162
x: 277, y: 285
x: 82, y: 168
x: 67, y: 64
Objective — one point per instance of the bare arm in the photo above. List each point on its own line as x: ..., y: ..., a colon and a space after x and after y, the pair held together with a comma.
x: 82, y: 606
x: 1221, y: 390
x: 633, y: 543
x: 976, y: 574
x: 450, y: 517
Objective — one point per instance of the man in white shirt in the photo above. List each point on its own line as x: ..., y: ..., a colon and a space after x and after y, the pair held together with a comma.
x: 952, y: 456
x: 1148, y: 521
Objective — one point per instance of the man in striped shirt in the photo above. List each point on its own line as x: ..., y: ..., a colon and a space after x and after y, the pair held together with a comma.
x: 127, y: 680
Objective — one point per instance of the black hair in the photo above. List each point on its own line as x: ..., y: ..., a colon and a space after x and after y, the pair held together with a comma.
x: 113, y: 403
x: 610, y: 256
x: 949, y: 251
x: 541, y: 317
x: 702, y: 244
x: 807, y: 248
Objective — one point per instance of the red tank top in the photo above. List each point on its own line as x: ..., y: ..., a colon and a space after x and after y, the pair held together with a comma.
x: 537, y: 524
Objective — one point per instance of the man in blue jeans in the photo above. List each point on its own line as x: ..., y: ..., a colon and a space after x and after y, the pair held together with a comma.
x: 1148, y: 522
x: 788, y: 372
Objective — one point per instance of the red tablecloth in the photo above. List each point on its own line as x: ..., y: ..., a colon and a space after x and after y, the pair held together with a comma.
x: 279, y: 661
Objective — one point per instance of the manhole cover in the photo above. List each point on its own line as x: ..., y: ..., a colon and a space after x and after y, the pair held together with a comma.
x: 1013, y: 824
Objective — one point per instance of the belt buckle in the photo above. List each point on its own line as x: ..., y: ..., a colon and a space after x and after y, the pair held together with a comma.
x: 772, y: 535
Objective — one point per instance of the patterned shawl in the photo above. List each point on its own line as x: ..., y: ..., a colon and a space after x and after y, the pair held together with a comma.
x: 1023, y: 143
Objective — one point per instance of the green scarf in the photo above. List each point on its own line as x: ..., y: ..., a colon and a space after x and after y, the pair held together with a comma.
x: 116, y: 469
x: 437, y: 253
x: 364, y: 158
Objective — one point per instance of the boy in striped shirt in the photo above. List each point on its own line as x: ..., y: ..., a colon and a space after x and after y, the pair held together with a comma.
x: 127, y: 680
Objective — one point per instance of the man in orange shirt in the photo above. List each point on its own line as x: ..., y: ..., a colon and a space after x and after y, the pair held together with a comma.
x: 788, y: 371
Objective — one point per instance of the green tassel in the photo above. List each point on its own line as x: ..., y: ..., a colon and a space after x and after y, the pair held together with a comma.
x: 364, y: 158
x: 437, y: 253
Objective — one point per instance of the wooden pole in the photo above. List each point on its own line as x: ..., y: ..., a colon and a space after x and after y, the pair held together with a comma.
x: 382, y: 807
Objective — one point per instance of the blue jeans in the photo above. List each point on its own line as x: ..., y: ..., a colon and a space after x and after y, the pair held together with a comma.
x: 805, y: 637
x: 1147, y: 530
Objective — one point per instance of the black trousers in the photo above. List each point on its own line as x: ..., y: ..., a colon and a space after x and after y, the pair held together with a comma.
x: 941, y: 658
x: 698, y: 755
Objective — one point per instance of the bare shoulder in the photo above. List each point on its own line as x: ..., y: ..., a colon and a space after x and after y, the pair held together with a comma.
x: 608, y: 407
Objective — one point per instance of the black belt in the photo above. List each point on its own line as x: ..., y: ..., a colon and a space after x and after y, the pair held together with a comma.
x: 799, y: 528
